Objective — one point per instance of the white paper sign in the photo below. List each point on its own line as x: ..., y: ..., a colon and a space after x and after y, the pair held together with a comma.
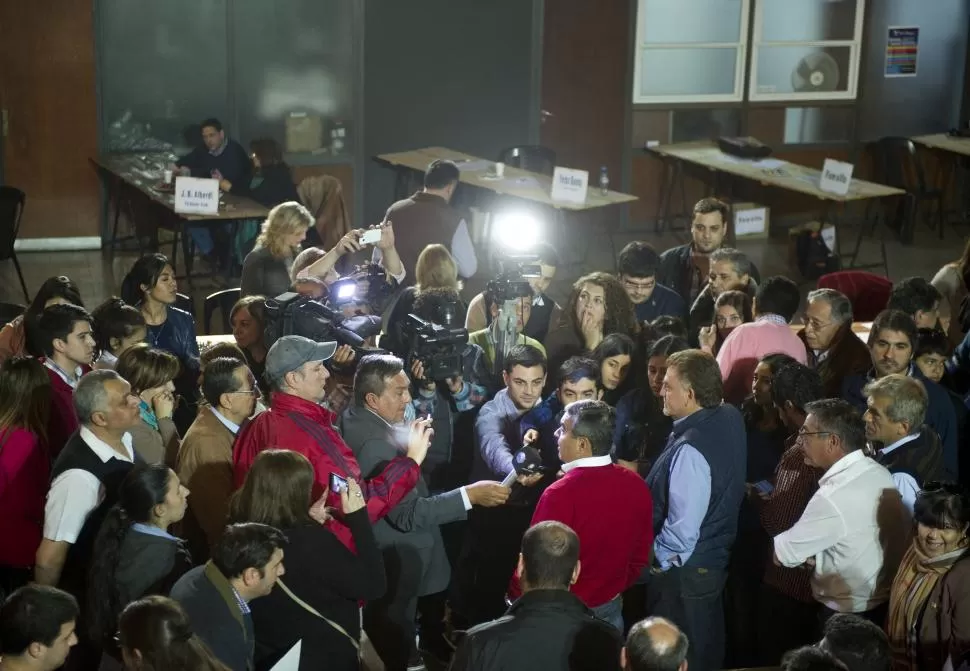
x: 836, y: 177
x: 196, y: 196
x: 291, y: 660
x: 569, y: 185
x: 750, y: 222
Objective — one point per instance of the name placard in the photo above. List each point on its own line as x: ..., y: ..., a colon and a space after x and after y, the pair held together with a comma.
x: 836, y: 177
x: 570, y: 186
x: 196, y: 196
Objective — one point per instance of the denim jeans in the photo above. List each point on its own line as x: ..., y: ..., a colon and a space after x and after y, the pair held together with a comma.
x: 612, y: 612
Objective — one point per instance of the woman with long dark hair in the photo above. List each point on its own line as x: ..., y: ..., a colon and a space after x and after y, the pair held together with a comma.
x: 597, y: 307
x: 731, y: 309
x: 248, y: 321
x: 25, y: 391
x: 320, y: 570
x: 151, y: 287
x: 766, y: 431
x: 117, y: 326
x: 615, y: 357
x: 156, y: 635
x: 134, y: 554
x: 641, y: 426
x: 17, y: 338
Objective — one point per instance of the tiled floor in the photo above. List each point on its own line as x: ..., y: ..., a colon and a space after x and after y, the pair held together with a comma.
x: 99, y: 277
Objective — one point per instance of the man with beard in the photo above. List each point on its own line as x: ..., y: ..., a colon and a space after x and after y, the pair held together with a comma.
x: 892, y: 341
x: 685, y: 268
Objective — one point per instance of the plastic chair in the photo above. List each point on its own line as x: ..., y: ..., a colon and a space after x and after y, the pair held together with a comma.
x: 10, y: 311
x: 897, y: 164
x: 222, y: 301
x: 530, y: 157
x: 12, y: 202
x: 868, y: 292
x: 183, y: 302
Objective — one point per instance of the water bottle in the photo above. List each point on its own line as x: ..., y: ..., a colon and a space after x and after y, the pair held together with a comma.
x: 604, y: 182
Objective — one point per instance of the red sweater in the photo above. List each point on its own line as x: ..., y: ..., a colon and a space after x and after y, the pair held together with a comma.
x: 611, y: 510
x: 24, y: 474
x: 292, y: 423
x: 63, y: 420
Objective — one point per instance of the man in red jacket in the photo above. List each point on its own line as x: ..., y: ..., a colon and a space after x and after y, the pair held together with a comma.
x: 296, y: 421
x: 608, y: 506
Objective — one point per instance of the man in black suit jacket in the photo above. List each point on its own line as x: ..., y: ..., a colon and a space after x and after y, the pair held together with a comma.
x: 245, y: 565
x: 414, y: 554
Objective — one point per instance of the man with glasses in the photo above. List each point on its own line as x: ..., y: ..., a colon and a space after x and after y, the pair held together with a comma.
x: 205, y: 458
x: 685, y: 269
x: 833, y: 349
x: 892, y: 342
x: 637, y: 266
x: 855, y: 528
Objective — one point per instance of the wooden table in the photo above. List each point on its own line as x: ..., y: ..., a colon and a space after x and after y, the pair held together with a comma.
x: 769, y: 172
x: 945, y: 142
x: 128, y: 175
x: 531, y: 186
x: 954, y: 149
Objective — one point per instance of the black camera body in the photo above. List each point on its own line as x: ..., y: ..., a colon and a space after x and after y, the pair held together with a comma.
x: 294, y: 314
x: 438, y: 347
x: 366, y: 284
x: 513, y: 282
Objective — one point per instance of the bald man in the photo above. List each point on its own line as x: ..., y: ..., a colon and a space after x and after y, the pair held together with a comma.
x: 654, y: 644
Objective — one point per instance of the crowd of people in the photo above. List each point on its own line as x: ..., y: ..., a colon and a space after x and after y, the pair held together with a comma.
x: 664, y: 473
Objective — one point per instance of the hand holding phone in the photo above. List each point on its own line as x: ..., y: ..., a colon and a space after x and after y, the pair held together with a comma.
x: 371, y: 236
x: 764, y: 487
x: 337, y: 483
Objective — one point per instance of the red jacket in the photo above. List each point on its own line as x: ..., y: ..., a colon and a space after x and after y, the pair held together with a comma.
x: 611, y: 510
x: 24, y: 480
x: 292, y: 423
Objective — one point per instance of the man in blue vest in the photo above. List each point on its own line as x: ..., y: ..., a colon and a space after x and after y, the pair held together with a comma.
x: 697, y: 485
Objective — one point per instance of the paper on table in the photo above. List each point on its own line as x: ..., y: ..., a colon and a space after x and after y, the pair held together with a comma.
x: 291, y: 660
x: 473, y: 166
x: 769, y: 163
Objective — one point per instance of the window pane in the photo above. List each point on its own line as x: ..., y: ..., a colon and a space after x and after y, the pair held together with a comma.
x: 807, y: 20
x: 811, y: 125
x: 691, y: 125
x: 296, y: 62
x: 163, y: 71
x: 676, y: 21
x: 803, y: 69
x: 667, y: 72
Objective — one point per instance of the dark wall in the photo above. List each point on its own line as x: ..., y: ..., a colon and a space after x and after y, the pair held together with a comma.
x: 451, y: 73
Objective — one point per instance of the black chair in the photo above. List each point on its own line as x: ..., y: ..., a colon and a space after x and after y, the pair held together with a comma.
x: 183, y: 302
x: 12, y: 201
x: 897, y: 164
x: 530, y: 157
x: 222, y: 301
x: 10, y: 311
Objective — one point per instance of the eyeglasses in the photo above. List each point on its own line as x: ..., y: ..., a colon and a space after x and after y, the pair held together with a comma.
x: 255, y: 391
x: 815, y: 324
x: 639, y: 286
x: 804, y: 434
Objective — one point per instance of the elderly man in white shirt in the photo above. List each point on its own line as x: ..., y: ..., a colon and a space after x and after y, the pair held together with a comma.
x: 855, y: 528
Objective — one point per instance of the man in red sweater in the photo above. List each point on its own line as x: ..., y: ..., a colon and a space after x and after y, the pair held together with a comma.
x: 296, y: 421
x: 608, y: 506
x: 68, y: 341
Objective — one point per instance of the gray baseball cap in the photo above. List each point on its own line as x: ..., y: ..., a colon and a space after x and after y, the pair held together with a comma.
x: 290, y: 352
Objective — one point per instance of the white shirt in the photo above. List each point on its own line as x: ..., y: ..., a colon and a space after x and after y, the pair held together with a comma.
x: 856, y: 528
x: 905, y: 483
x: 226, y: 422
x: 588, y: 462
x: 75, y: 493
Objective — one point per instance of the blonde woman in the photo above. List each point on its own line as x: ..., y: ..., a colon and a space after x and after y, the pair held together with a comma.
x: 266, y: 269
x: 436, y: 269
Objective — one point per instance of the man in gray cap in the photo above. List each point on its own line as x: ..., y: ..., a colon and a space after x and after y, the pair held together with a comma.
x: 296, y: 421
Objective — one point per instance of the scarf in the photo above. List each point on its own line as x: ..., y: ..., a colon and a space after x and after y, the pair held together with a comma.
x: 147, y: 414
x: 915, y: 581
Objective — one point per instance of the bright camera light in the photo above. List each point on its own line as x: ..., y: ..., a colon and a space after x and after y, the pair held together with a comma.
x: 516, y: 230
x: 346, y: 290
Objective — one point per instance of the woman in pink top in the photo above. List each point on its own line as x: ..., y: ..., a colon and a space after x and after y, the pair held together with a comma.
x: 25, y: 391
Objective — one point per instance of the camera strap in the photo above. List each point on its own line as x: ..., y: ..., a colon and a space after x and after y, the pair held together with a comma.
x: 313, y: 611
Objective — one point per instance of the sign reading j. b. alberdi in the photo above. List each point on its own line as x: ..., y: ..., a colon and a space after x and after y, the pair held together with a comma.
x: 569, y: 185
x: 196, y: 196
x: 836, y: 177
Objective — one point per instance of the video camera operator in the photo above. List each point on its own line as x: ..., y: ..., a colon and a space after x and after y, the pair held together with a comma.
x: 544, y: 312
x: 445, y: 398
